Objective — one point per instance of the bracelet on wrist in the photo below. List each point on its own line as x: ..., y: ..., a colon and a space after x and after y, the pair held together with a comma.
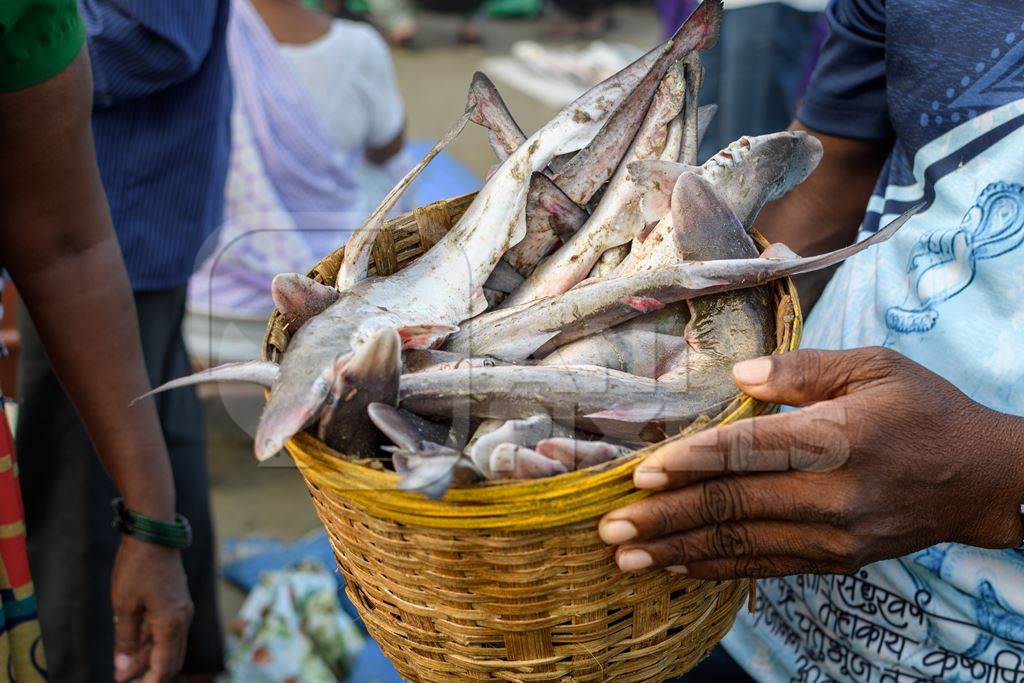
x: 176, y: 534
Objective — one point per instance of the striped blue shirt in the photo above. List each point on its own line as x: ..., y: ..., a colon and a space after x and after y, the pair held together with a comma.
x: 161, y: 121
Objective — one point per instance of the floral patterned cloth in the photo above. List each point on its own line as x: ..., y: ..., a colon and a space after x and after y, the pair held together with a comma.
x: 292, y: 628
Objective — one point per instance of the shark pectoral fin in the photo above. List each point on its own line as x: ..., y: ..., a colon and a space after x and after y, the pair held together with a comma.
x: 255, y: 371
x: 657, y: 178
x: 427, y: 336
x: 431, y: 468
x: 406, y: 430
x: 504, y: 278
x: 299, y: 298
x: 564, y: 215
x: 695, y: 202
x: 632, y: 412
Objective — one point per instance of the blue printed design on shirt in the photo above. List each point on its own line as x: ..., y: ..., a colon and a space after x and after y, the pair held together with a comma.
x: 985, y: 85
x: 944, y: 262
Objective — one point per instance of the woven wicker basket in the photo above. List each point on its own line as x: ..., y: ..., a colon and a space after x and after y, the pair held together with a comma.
x: 508, y: 580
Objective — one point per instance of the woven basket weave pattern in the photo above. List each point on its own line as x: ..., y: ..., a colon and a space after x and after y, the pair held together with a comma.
x: 508, y: 580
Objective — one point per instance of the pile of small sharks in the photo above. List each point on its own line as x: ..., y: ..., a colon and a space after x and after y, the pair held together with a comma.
x: 599, y: 283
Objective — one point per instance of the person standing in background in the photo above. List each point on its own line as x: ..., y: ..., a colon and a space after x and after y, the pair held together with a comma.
x: 59, y: 247
x: 317, y: 138
x: 757, y: 70
x: 162, y: 101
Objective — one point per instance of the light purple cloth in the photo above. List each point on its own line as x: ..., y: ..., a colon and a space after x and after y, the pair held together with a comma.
x: 673, y: 13
x: 297, y: 154
x: 291, y: 196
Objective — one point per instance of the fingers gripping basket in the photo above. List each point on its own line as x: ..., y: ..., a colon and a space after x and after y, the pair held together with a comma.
x: 508, y: 580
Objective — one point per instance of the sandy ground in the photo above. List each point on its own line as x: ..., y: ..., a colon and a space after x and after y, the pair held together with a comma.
x: 272, y: 499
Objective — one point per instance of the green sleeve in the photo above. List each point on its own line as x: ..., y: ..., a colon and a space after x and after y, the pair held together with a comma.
x: 38, y: 39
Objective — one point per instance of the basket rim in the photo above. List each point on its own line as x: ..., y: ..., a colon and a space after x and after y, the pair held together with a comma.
x: 507, y: 504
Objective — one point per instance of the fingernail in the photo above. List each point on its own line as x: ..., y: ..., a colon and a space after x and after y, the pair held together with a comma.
x: 677, y: 569
x: 753, y: 371
x: 616, y: 531
x: 650, y: 479
x: 633, y: 560
x: 122, y: 662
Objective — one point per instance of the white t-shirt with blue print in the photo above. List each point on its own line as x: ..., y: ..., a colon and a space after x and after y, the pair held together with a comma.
x: 945, y: 80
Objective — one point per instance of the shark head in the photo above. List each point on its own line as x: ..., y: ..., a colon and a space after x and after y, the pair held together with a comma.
x: 320, y: 387
x: 755, y: 170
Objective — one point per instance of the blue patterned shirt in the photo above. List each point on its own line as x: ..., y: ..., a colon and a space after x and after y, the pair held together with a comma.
x: 941, y: 79
x: 161, y: 122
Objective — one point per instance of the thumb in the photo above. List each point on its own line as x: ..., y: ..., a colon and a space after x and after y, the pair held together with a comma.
x: 128, y: 661
x: 799, y: 378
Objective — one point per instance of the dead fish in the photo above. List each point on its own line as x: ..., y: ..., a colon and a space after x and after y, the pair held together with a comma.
x: 594, y: 165
x: 639, y: 352
x: 724, y: 328
x: 298, y: 298
x: 425, y: 301
x: 674, y: 143
x: 570, y: 393
x: 371, y: 375
x: 745, y: 175
x: 406, y: 430
x: 527, y: 432
x: 545, y: 324
x: 422, y: 360
x: 577, y: 454
x: 617, y: 217
x: 431, y: 469
x: 550, y: 217
x: 586, y: 172
x: 550, y: 213
x: 511, y: 461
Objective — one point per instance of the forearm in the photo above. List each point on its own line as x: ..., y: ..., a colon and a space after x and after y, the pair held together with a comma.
x: 384, y: 153
x: 59, y: 247
x: 88, y: 326
x: 825, y: 211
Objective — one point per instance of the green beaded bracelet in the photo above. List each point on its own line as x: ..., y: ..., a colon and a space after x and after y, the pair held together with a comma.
x: 176, y: 534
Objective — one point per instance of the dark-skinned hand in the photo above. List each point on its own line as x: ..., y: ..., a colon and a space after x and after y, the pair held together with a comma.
x: 884, y: 458
x: 152, y: 611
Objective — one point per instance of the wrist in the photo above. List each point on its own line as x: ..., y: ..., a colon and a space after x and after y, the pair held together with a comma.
x: 176, y: 534
x: 154, y: 507
x: 1003, y: 509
